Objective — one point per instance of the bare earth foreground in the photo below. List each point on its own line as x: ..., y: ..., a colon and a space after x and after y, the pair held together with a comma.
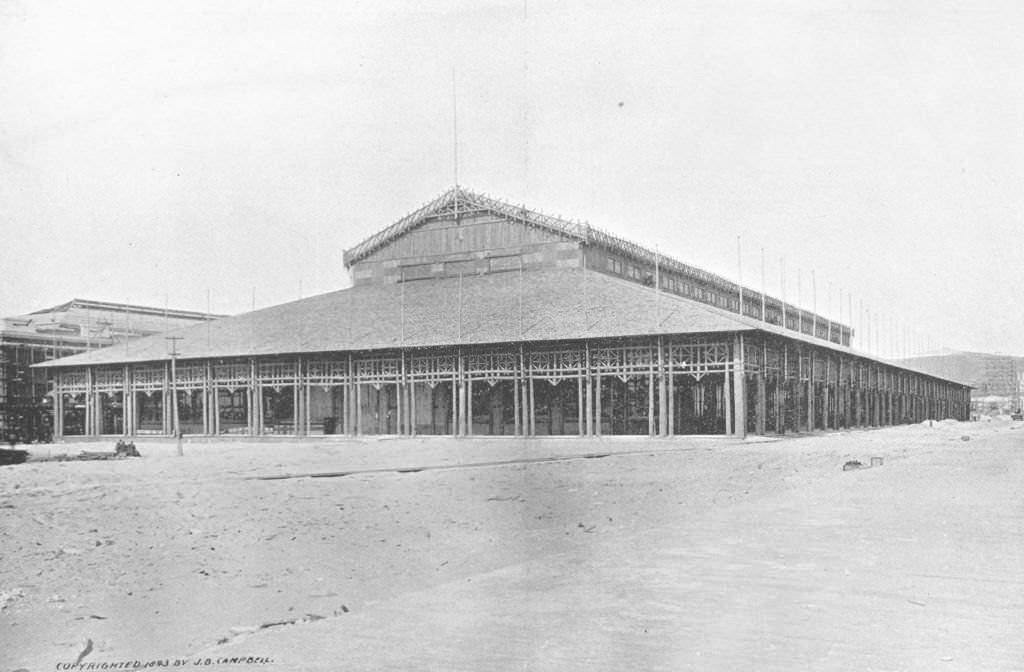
x: 702, y: 554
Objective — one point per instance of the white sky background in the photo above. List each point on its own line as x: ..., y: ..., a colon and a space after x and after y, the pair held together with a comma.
x: 150, y: 152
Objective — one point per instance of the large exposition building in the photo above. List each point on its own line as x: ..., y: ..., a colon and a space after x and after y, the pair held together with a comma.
x: 471, y: 316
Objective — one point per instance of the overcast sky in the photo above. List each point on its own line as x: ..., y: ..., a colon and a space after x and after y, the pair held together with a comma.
x: 152, y: 152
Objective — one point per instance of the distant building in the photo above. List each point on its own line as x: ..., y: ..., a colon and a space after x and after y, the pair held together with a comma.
x: 67, y: 329
x: 472, y: 316
x: 997, y: 381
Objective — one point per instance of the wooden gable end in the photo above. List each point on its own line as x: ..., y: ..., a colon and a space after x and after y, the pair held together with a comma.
x: 476, y: 233
x: 474, y: 243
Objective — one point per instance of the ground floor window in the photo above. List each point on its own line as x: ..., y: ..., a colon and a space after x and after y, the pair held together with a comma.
x: 494, y: 407
x: 278, y: 409
x: 326, y: 410
x: 111, y: 412
x: 378, y: 409
x: 149, y: 412
x: 233, y: 411
x: 433, y: 413
x: 73, y: 420
x: 624, y: 405
x: 699, y: 404
x: 191, y: 409
x: 556, y: 407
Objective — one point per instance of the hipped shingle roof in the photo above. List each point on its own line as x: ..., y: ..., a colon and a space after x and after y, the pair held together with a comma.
x: 540, y: 305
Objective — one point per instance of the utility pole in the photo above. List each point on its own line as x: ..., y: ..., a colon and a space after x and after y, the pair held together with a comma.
x: 175, y: 422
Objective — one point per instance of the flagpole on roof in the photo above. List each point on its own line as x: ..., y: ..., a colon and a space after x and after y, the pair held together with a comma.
x: 764, y: 289
x: 586, y: 302
x: 830, y: 314
x: 799, y: 301
x: 814, y: 305
x: 849, y: 315
x: 782, y: 280
x: 252, y: 323
x: 657, y: 286
x: 208, y: 320
x: 455, y: 140
x: 739, y: 271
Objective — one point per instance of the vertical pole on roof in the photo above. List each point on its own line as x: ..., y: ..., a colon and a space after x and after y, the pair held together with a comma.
x: 208, y: 320
x: 657, y: 287
x: 252, y: 324
x: 799, y: 301
x: 814, y: 305
x: 764, y: 289
x: 455, y: 144
x: 849, y: 317
x: 739, y: 272
x: 860, y: 322
x: 127, y: 331
x: 782, y: 280
x: 829, y: 298
x: 586, y: 302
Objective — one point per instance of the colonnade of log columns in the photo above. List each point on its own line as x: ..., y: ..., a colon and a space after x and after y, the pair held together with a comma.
x: 829, y: 390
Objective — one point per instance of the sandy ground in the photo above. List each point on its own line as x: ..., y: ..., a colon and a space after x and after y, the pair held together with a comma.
x: 699, y: 554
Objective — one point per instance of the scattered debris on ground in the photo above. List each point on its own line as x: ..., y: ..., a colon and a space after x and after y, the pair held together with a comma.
x: 121, y: 451
x: 12, y: 456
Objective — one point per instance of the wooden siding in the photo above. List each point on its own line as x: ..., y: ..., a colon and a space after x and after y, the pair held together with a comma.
x: 445, y: 237
x: 473, y: 246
